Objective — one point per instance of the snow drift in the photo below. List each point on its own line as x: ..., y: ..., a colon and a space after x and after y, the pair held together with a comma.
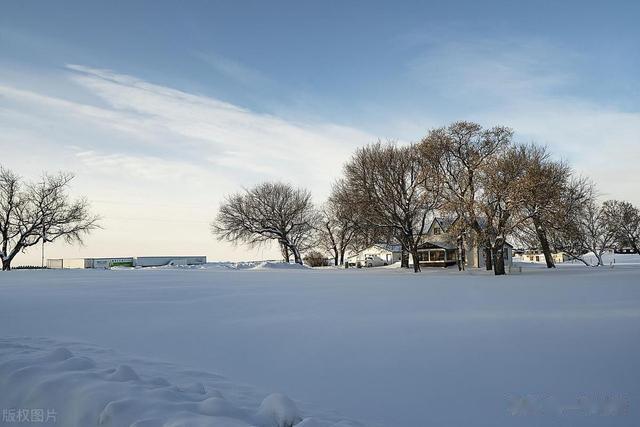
x: 74, y: 390
x: 270, y: 265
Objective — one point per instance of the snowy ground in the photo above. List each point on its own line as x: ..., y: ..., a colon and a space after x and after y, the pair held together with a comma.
x: 384, y: 347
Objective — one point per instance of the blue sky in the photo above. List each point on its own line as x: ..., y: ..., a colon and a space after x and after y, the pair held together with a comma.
x: 344, y: 55
x: 235, y: 92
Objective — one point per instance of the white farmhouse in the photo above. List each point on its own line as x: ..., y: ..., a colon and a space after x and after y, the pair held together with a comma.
x: 438, y: 249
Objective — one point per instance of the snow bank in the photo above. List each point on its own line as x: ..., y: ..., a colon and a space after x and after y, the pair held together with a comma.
x: 278, y: 410
x: 228, y: 265
x: 270, y: 265
x: 242, y: 265
x: 222, y: 266
x: 394, y: 265
x: 65, y: 389
x: 609, y: 258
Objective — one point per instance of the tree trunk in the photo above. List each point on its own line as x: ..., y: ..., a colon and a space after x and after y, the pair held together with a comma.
x: 461, y: 258
x: 493, y: 252
x: 6, y: 264
x: 488, y: 261
x: 416, y: 263
x: 544, y: 243
x: 342, y: 256
x: 336, y: 255
x: 404, y: 260
x: 498, y: 259
x: 296, y: 255
x: 599, y: 258
x: 285, y: 252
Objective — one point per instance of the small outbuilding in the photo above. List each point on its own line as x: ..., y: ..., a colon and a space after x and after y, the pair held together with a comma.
x: 536, y: 255
x: 153, y: 261
x: 376, y: 255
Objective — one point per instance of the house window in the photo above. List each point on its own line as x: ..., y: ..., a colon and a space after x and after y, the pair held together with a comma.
x: 423, y: 256
x: 437, y: 255
x: 436, y: 230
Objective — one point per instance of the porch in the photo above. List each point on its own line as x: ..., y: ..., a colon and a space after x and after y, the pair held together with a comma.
x: 437, y: 254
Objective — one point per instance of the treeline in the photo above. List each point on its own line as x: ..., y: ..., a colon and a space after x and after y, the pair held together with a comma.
x: 492, y: 188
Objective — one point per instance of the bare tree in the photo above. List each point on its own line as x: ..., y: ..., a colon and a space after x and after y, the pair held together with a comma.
x: 461, y: 152
x: 584, y: 227
x: 500, y: 203
x: 266, y: 212
x: 394, y: 189
x: 598, y: 235
x: 540, y: 189
x: 340, y: 224
x: 624, y: 220
x: 32, y: 213
x: 565, y: 233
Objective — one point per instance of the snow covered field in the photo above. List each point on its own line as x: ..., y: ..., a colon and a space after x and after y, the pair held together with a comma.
x: 381, y: 347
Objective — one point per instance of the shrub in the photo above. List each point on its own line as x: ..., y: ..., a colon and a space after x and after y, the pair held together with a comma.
x: 315, y: 259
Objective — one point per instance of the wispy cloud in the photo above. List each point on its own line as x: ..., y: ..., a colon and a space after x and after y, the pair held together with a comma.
x: 173, y: 125
x: 140, y: 142
x: 530, y: 86
x: 489, y: 70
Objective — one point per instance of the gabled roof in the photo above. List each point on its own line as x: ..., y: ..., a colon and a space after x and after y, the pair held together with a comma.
x: 434, y: 243
x: 391, y: 247
x: 482, y: 222
x: 444, y: 222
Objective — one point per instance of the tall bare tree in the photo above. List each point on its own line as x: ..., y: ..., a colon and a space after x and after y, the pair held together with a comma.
x: 340, y: 225
x: 395, y: 189
x: 541, y: 189
x: 37, y: 212
x: 461, y: 152
x: 266, y: 212
x: 500, y: 203
x: 624, y: 220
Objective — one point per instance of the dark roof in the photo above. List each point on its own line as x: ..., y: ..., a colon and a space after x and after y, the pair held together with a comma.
x: 437, y: 244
